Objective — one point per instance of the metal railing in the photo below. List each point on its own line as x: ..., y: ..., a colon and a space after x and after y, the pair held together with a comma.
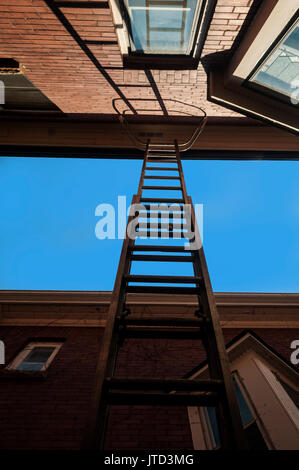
x: 124, y: 117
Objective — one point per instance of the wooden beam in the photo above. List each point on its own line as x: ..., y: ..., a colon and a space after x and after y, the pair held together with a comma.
x: 93, y: 137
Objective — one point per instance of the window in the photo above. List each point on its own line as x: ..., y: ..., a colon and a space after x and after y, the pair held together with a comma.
x: 175, y: 30
x: 253, y: 434
x: 9, y: 65
x: 20, y: 93
x: 278, y: 74
x: 36, y: 356
x: 161, y: 26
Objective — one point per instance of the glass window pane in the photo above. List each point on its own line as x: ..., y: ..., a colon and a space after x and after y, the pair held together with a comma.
x: 36, y: 358
x: 30, y: 365
x: 161, y: 26
x: 245, y: 412
x: 214, y: 425
x: 280, y: 71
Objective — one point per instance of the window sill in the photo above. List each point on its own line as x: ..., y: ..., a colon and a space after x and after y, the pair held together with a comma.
x: 159, y: 62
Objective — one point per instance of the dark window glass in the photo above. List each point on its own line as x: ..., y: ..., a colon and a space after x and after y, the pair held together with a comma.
x: 214, y: 426
x: 253, y: 434
x: 36, y: 358
x: 245, y: 412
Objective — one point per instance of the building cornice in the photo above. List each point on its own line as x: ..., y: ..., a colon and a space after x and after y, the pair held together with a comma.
x: 103, y: 298
x: 89, y: 309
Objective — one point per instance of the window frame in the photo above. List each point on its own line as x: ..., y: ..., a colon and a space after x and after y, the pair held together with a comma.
x: 21, y: 356
x: 255, y: 362
x: 264, y: 90
x: 227, y: 83
x: 208, y: 429
x: 140, y: 60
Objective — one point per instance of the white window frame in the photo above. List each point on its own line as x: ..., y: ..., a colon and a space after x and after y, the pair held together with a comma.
x: 275, y: 413
x: 29, y: 347
x: 227, y: 87
x: 260, y: 38
x: 210, y: 441
x: 204, y: 13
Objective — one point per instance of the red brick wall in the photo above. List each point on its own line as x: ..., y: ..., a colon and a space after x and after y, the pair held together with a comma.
x: 51, y: 414
x: 52, y: 60
x: 168, y: 427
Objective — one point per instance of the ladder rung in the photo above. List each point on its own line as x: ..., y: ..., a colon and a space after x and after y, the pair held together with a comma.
x: 161, y: 152
x: 161, y: 155
x: 166, y: 320
x: 158, y: 232
x: 176, y: 208
x: 161, y: 200
x: 162, y: 290
x: 161, y: 399
x: 159, y: 225
x: 152, y: 177
x: 163, y: 279
x: 172, y: 249
x: 159, y: 258
x: 161, y: 234
x: 158, y: 168
x: 160, y: 215
x: 131, y: 383
x: 154, y: 160
x: 168, y: 188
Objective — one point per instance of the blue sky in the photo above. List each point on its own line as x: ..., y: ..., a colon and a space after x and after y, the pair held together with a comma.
x: 47, y: 237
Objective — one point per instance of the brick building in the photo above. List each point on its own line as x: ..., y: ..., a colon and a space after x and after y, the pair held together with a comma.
x: 67, y: 70
x: 49, y: 410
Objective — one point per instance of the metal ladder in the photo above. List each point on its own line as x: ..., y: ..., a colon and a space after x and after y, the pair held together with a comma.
x: 218, y: 391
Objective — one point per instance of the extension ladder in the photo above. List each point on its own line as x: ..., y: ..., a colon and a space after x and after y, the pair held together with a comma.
x: 218, y: 391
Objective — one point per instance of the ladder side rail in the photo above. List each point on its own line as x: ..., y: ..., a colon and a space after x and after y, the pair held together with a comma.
x: 141, y: 181
x: 231, y: 429
x: 94, y: 437
x: 230, y: 422
x: 213, y: 340
x: 181, y: 173
x: 187, y: 145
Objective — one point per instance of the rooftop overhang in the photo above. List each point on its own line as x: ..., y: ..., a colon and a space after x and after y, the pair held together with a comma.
x: 43, y: 135
x: 229, y: 83
x: 89, y: 309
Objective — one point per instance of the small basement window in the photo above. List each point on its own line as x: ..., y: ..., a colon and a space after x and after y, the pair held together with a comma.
x: 9, y: 65
x: 36, y: 356
x: 165, y: 33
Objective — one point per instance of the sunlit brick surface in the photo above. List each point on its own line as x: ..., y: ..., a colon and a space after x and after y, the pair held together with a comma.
x: 53, y: 61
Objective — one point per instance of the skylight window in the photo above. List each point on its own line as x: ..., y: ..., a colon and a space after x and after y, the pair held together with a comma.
x: 164, y: 33
x: 279, y: 72
x: 159, y: 27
